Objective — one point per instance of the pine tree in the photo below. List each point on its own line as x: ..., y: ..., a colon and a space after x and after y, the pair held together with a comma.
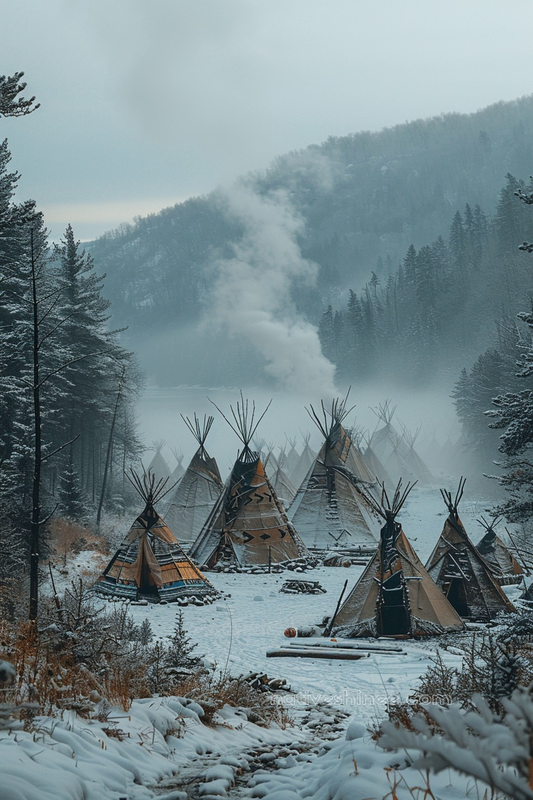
x: 71, y: 498
x: 146, y: 633
x: 179, y: 657
x: 11, y: 105
x: 509, y: 216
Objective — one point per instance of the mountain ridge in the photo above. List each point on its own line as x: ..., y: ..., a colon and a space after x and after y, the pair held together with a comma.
x: 363, y: 198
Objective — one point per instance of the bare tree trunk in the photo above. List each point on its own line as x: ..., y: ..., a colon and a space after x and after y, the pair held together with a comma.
x: 36, y: 482
x: 109, y: 449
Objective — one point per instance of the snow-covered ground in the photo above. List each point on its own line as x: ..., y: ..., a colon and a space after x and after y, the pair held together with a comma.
x: 74, y: 758
x: 238, y: 630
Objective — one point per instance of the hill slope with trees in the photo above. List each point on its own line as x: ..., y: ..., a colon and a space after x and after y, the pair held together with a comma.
x: 364, y: 200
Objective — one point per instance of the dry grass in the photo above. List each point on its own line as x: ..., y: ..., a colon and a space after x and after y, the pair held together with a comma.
x: 69, y: 538
x: 50, y: 674
x: 214, y: 692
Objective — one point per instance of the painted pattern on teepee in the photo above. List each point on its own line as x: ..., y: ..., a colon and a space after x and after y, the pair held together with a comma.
x: 248, y: 525
x: 150, y: 562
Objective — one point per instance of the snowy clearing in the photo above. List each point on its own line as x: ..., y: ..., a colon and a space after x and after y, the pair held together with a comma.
x: 161, y: 748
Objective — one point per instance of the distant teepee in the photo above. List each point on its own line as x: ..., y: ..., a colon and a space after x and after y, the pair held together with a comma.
x: 150, y: 562
x: 198, y: 490
x: 179, y: 471
x: 291, y: 456
x: 329, y: 509
x: 387, y: 445
x: 304, y: 463
x: 395, y: 596
x: 374, y: 465
x: 248, y: 525
x: 413, y: 459
x: 158, y: 466
x: 461, y: 572
x: 503, y: 565
x: 281, y: 483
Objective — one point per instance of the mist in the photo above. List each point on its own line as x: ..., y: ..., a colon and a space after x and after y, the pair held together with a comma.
x: 431, y: 410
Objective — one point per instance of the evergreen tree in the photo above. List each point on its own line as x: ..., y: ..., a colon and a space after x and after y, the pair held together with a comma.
x: 179, y: 656
x: 71, y: 498
x: 509, y: 216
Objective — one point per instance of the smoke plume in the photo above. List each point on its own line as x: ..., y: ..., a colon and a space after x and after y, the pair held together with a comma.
x: 251, y: 296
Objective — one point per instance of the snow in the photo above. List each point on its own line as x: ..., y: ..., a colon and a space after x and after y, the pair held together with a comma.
x: 160, y: 744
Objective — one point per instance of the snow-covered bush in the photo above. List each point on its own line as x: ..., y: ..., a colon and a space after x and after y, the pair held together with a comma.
x: 494, y: 747
x: 492, y: 668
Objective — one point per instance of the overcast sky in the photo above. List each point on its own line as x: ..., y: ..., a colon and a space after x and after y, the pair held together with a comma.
x: 147, y: 102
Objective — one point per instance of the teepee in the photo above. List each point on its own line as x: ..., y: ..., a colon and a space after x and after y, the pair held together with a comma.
x: 158, y: 466
x: 394, y: 596
x: 304, y: 463
x: 503, y: 565
x: 248, y: 526
x: 178, y: 471
x: 198, y: 489
x: 373, y: 464
x: 291, y: 456
x: 389, y: 447
x: 281, y: 483
x: 329, y: 509
x: 413, y: 459
x: 150, y: 562
x: 461, y: 572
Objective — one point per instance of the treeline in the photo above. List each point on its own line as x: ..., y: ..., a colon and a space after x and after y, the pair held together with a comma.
x: 61, y: 372
x: 443, y: 304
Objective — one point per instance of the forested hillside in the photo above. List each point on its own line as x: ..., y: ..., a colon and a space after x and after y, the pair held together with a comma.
x: 430, y: 317
x: 364, y: 199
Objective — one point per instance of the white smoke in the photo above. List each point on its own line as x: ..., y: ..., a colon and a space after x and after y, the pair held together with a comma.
x: 251, y: 296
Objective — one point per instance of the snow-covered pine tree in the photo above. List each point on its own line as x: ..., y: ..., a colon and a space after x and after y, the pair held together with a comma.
x: 99, y: 364
x: 514, y: 409
x: 179, y: 657
x: 72, y: 501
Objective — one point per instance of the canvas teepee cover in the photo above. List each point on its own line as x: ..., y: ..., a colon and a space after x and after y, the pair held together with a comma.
x: 291, y: 456
x: 248, y: 525
x: 461, y: 572
x: 329, y: 509
x: 178, y: 472
x: 281, y: 483
x: 198, y: 490
x: 374, y: 465
x: 150, y: 562
x: 303, y: 465
x: 158, y: 466
x: 503, y: 565
x: 395, y: 596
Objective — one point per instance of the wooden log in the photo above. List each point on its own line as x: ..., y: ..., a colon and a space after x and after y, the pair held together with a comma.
x: 309, y: 652
x: 376, y: 648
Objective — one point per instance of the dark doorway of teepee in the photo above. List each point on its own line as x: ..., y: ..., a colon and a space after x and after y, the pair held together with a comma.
x: 147, y: 586
x: 456, y: 594
x: 394, y: 619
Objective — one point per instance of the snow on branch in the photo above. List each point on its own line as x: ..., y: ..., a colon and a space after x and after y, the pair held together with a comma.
x: 494, y: 748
